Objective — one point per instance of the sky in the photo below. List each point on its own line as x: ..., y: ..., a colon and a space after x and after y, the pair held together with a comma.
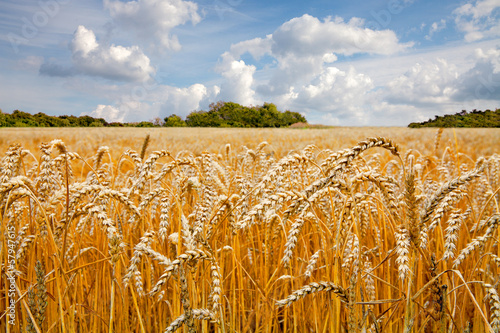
x: 344, y: 63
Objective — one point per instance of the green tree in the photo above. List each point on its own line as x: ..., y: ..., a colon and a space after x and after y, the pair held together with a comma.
x: 4, y: 119
x: 230, y: 114
x: 145, y: 124
x: 174, y: 121
x: 475, y: 118
x: 202, y: 119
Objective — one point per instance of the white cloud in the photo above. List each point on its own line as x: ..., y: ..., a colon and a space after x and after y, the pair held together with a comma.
x: 427, y: 83
x: 153, y: 20
x: 304, y: 44
x: 341, y: 92
x: 182, y: 101
x: 435, y: 27
x: 111, y: 62
x: 127, y: 110
x: 238, y: 82
x: 146, y: 102
x: 478, y: 20
x: 482, y: 82
x: 108, y: 112
x: 301, y: 76
x: 257, y: 47
x: 492, y: 56
x: 438, y: 83
x: 307, y: 35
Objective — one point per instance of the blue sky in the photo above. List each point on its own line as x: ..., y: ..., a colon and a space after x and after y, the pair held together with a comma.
x: 351, y: 63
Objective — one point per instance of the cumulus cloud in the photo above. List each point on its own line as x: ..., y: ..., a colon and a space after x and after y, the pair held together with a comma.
x: 425, y: 83
x: 440, y: 83
x: 482, y: 82
x: 111, y: 62
x: 342, y: 94
x: 478, y: 20
x: 491, y: 55
x: 182, y: 101
x: 139, y: 103
x: 335, y: 88
x: 91, y: 58
x: 304, y: 44
x: 301, y: 75
x: 307, y: 35
x: 307, y: 41
x: 126, y: 110
x: 237, y: 85
x: 108, y: 112
x: 257, y: 47
x: 153, y: 20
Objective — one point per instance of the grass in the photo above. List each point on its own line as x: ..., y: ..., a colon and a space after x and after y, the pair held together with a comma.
x: 231, y: 230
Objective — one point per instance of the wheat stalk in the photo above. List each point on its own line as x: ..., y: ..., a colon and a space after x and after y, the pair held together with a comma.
x: 312, y: 288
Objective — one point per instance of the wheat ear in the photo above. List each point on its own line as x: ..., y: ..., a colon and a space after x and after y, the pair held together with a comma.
x: 315, y: 287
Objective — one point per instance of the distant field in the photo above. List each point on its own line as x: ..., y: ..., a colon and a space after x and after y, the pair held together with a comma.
x: 474, y: 142
x: 249, y: 230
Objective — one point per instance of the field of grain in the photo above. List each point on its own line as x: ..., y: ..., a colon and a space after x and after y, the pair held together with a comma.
x: 250, y: 230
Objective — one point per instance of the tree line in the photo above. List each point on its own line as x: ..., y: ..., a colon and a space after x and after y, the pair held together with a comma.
x: 24, y: 119
x: 220, y: 114
x: 229, y: 114
x: 475, y: 118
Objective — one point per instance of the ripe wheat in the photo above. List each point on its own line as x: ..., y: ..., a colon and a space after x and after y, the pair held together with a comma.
x: 369, y: 237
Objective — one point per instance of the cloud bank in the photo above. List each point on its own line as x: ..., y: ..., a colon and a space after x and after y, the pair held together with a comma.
x: 153, y: 20
x: 303, y: 76
x: 113, y: 62
x: 478, y: 20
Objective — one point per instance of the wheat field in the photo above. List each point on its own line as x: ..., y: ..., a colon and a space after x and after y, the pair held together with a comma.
x: 250, y: 230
